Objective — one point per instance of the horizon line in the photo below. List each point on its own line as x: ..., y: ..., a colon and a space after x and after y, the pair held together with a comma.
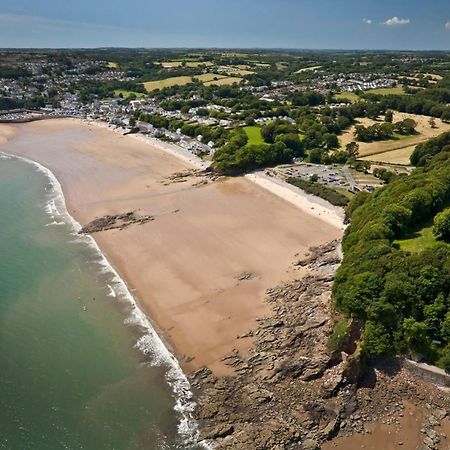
x: 298, y: 49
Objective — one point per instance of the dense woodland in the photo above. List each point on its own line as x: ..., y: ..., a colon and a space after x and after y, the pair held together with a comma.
x: 401, y: 298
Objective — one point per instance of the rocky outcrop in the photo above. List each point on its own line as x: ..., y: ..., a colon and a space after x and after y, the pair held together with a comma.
x: 290, y: 392
x: 117, y: 221
x: 197, y: 177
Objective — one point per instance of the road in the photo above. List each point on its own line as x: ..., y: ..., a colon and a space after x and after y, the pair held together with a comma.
x: 350, y: 180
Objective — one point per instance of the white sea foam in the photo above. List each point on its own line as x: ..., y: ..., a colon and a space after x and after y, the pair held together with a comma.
x: 55, y: 222
x: 112, y: 292
x: 150, y: 344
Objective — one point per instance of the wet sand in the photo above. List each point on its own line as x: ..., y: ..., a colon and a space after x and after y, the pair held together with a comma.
x: 387, y: 437
x: 183, y: 267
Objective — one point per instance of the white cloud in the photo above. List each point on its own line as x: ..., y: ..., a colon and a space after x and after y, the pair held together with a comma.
x: 447, y: 26
x: 396, y: 21
x: 367, y: 21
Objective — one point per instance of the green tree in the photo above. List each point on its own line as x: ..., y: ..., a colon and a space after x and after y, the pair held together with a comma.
x: 376, y: 340
x: 373, y: 110
x: 445, y: 117
x: 389, y: 117
x: 445, y: 327
x: 352, y: 149
x: 441, y: 225
x: 433, y: 314
x: 397, y: 217
x: 444, y: 360
x: 416, y: 335
x: 315, y: 156
x: 330, y: 140
x: 292, y: 141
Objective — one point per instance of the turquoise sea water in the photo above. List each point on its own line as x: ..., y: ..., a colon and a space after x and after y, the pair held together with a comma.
x: 75, y: 354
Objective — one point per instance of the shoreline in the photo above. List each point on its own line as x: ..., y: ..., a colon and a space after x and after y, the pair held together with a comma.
x: 205, y: 313
x: 108, y: 154
x: 150, y: 343
x: 168, y: 147
x: 308, y: 203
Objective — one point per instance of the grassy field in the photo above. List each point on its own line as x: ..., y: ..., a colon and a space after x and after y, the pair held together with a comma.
x: 206, y: 78
x: 170, y: 64
x: 235, y: 70
x: 399, y: 156
x: 281, y: 65
x: 127, y: 93
x: 254, y: 135
x: 222, y: 81
x: 347, y: 95
x: 112, y: 65
x: 397, y: 90
x: 168, y: 82
x: 394, y: 151
x: 422, y: 239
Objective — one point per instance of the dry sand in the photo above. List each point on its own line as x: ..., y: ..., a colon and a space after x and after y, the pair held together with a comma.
x: 308, y: 203
x: 183, y: 266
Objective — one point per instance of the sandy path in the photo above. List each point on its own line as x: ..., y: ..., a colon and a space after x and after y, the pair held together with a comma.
x: 182, y: 267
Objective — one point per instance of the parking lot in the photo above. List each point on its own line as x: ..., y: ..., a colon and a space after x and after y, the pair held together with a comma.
x: 332, y: 176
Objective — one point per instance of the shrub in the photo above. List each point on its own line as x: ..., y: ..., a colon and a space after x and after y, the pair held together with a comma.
x: 441, y: 225
x: 311, y: 187
x: 338, y: 337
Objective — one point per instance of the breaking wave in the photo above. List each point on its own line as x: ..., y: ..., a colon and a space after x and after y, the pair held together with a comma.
x: 150, y: 344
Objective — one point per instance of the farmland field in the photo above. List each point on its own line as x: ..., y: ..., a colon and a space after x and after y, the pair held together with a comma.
x: 347, y: 95
x: 206, y: 78
x: 222, y: 80
x: 395, y: 151
x: 235, y: 70
x: 399, y: 156
x: 397, y: 90
x: 170, y: 64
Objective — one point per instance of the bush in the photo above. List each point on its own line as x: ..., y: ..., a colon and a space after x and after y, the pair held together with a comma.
x: 338, y: 337
x: 311, y: 187
x: 441, y: 225
x: 376, y: 340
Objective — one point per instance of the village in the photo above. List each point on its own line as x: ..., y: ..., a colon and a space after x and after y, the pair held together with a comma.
x: 94, y: 89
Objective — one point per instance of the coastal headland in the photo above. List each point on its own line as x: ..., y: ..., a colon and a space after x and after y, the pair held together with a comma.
x: 200, y: 268
x: 235, y: 274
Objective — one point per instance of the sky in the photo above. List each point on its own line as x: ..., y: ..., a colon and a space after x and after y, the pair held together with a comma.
x: 293, y: 24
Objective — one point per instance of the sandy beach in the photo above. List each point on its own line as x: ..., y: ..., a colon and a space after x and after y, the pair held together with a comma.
x: 184, y: 267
